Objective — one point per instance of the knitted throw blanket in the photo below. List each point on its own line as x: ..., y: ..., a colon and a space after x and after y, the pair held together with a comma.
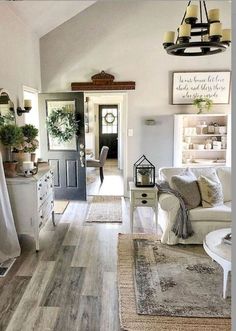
x: 182, y: 227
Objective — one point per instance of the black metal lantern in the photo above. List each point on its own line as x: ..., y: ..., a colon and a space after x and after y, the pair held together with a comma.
x: 144, y: 173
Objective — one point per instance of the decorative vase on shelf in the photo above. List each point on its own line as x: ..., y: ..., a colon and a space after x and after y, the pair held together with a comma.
x: 10, y: 168
x: 203, y: 105
x: 33, y: 157
x: 20, y: 157
x: 145, y: 179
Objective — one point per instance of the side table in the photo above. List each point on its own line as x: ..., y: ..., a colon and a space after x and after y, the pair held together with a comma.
x: 219, y: 252
x: 143, y: 197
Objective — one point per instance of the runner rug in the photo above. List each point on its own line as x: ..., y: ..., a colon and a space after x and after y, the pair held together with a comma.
x: 169, y: 288
x: 60, y: 206
x: 105, y: 209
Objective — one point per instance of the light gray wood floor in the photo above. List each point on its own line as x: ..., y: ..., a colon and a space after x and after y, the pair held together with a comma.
x: 71, y: 283
x: 113, y: 180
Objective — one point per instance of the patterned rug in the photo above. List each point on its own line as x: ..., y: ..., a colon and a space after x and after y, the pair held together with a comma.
x: 131, y: 320
x: 172, y: 281
x: 105, y: 209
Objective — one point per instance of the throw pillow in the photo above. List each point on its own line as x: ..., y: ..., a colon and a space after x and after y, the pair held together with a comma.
x: 224, y: 174
x: 186, y: 184
x: 211, y: 191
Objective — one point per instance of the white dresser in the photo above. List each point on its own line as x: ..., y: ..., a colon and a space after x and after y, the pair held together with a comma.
x: 32, y: 201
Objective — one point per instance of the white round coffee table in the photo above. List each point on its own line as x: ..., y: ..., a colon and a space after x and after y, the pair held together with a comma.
x: 219, y: 252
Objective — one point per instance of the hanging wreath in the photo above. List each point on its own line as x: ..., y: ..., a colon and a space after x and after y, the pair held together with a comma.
x: 62, y: 124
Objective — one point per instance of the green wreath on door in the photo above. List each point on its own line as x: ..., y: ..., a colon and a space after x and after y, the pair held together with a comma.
x: 62, y: 124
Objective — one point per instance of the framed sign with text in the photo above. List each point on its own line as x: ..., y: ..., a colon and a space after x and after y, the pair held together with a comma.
x: 214, y: 85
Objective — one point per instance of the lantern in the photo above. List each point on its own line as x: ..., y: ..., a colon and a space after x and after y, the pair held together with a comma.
x: 144, y: 173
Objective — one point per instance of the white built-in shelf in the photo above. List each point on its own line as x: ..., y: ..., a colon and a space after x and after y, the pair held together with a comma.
x: 206, y: 135
x: 204, y: 150
x: 198, y: 134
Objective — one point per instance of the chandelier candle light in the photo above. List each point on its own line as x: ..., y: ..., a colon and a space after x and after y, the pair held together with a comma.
x: 211, y: 38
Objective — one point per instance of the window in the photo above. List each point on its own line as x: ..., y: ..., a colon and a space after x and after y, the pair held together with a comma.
x: 109, y: 120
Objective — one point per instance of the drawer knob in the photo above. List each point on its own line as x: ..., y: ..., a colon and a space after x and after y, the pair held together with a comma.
x: 144, y: 201
x: 41, y: 216
x: 40, y: 198
x: 40, y: 185
x: 46, y: 180
x: 144, y: 195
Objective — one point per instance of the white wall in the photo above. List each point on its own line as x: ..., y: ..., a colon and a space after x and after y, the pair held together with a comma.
x: 125, y: 39
x: 19, y: 56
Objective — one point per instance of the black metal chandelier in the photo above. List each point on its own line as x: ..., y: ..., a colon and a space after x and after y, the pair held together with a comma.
x: 211, y: 38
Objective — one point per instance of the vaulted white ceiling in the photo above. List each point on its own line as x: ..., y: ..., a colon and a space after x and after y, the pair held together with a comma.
x: 44, y: 16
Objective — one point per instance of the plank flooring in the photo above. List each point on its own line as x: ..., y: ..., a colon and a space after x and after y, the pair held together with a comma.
x: 71, y: 283
x: 113, y: 180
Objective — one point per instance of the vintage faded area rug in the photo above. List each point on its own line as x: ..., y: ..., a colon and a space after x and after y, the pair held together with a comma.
x: 105, y: 209
x: 146, y: 273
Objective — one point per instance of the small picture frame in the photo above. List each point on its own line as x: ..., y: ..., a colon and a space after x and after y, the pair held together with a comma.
x: 214, y: 85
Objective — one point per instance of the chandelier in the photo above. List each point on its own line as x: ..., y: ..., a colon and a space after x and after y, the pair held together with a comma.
x: 209, y: 36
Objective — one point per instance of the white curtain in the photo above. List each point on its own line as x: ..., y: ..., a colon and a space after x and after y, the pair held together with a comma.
x: 9, y: 244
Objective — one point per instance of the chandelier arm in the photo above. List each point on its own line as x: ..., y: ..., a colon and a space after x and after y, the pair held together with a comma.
x: 182, y: 22
x: 204, y: 4
x: 185, y: 13
x: 200, y: 6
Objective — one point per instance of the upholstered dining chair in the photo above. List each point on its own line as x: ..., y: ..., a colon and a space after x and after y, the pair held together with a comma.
x: 99, y: 163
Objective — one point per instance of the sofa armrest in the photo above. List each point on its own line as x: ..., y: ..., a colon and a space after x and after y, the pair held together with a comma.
x: 168, y: 201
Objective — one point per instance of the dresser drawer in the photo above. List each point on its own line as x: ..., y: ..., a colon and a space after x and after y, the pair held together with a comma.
x: 144, y: 195
x: 45, y: 211
x: 145, y: 202
x: 45, y: 188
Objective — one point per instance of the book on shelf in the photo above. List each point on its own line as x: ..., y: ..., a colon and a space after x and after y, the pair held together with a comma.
x: 228, y: 239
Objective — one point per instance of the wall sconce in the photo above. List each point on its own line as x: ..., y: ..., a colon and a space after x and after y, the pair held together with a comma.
x: 150, y: 122
x: 27, y: 108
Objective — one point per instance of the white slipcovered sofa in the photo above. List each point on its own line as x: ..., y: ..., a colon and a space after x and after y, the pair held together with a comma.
x: 203, y: 220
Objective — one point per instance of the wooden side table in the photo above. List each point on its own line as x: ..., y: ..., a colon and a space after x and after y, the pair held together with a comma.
x: 143, y: 197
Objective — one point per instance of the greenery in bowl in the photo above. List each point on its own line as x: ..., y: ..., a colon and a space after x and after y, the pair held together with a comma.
x: 29, y: 142
x: 144, y: 171
x: 203, y: 104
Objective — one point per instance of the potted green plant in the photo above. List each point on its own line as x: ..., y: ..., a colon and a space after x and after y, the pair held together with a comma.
x: 203, y: 104
x: 25, y: 151
x: 11, y: 136
x: 145, y: 174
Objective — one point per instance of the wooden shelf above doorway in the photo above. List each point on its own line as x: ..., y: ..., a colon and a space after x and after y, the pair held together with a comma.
x: 102, y: 81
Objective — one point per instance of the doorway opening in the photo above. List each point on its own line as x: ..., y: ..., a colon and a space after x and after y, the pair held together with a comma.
x: 33, y: 116
x: 108, y: 129
x: 105, y: 125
